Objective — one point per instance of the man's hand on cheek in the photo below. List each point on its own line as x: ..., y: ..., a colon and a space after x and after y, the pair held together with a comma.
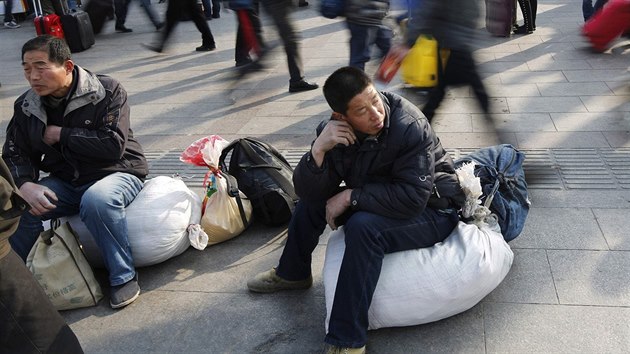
x: 335, y: 132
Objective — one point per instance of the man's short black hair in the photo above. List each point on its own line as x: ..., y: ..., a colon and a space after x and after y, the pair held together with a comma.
x: 342, y: 85
x: 57, y: 49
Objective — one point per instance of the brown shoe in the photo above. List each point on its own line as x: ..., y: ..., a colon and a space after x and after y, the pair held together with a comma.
x: 269, y: 282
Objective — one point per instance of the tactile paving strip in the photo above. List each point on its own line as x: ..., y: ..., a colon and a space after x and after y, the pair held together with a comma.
x: 596, y: 168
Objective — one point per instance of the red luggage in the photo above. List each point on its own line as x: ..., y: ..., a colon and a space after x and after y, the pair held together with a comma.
x: 499, y: 15
x: 607, y: 24
x: 49, y: 24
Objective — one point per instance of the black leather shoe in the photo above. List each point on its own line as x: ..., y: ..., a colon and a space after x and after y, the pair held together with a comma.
x: 206, y: 48
x: 522, y: 30
x: 123, y: 29
x: 302, y: 86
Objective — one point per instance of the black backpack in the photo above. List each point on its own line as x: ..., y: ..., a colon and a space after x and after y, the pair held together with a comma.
x: 265, y: 176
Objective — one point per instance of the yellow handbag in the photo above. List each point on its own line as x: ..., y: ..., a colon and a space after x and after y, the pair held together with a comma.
x: 420, y: 66
x: 60, y: 267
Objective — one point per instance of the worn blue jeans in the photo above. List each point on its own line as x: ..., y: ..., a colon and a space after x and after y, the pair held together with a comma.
x: 361, y: 39
x: 101, y: 206
x: 368, y: 238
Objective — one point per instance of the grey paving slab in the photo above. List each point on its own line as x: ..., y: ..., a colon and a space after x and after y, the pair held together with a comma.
x: 594, y: 75
x: 524, y: 328
x: 602, y: 277
x: 512, y: 90
x: 561, y: 228
x: 529, y: 281
x: 574, y: 89
x: 615, y: 224
x: 600, y: 121
x: 519, y: 122
x: 545, y: 104
x: 561, y: 140
x: 532, y: 77
x: 606, y: 103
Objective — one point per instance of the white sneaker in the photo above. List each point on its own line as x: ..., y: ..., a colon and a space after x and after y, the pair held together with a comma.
x: 12, y: 25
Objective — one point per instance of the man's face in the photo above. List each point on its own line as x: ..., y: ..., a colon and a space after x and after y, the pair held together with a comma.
x: 365, y: 112
x: 45, y: 77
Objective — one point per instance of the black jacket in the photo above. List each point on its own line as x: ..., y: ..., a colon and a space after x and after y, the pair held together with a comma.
x: 96, y: 138
x: 394, y: 174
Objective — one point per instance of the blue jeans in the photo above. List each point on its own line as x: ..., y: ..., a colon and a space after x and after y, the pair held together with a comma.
x: 101, y: 205
x: 361, y: 39
x: 368, y: 238
x: 588, y: 9
x: 72, y: 4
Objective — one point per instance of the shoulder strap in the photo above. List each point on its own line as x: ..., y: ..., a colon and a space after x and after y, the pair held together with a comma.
x: 232, y: 189
x: 273, y: 172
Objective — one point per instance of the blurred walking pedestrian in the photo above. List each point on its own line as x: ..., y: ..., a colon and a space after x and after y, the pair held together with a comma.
x: 174, y: 13
x: 249, y: 32
x: 9, y: 20
x: 528, y: 9
x: 211, y: 8
x: 452, y: 23
x: 121, y: 8
x: 280, y: 12
x: 365, y: 22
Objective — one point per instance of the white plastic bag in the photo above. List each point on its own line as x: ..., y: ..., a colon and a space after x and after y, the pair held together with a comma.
x: 158, y: 220
x: 429, y: 284
x: 222, y: 219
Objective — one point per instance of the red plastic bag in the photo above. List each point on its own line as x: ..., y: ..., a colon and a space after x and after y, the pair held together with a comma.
x: 205, y: 151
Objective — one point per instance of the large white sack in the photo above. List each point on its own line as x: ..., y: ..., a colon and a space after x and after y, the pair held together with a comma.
x: 428, y: 284
x: 157, y: 222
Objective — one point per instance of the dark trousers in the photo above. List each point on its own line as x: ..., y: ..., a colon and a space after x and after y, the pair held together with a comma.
x: 460, y: 69
x: 8, y: 8
x: 368, y: 238
x: 588, y: 9
x: 174, y: 13
x: 28, y: 321
x: 209, y: 10
x: 243, y: 47
x: 279, y: 11
x: 361, y: 39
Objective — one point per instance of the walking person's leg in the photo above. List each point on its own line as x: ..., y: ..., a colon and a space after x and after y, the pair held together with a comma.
x: 207, y: 40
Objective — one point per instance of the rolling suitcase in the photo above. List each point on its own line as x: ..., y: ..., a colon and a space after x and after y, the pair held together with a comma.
x: 78, y: 30
x: 49, y: 24
x: 499, y: 15
x: 607, y: 24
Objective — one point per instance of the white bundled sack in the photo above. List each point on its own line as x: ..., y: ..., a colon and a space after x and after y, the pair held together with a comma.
x: 162, y: 222
x: 429, y: 284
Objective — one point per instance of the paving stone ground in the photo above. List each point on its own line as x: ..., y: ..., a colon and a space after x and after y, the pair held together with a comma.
x: 569, y: 288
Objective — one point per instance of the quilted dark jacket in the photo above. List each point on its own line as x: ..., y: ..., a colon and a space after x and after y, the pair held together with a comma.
x: 396, y: 174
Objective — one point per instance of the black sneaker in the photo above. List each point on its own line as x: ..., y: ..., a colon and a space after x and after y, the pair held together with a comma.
x: 301, y: 86
x: 123, y: 295
x: 123, y: 29
x: 206, y: 48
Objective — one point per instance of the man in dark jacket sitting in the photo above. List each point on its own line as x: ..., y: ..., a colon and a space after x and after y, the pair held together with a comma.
x: 75, y: 125
x: 400, y: 193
